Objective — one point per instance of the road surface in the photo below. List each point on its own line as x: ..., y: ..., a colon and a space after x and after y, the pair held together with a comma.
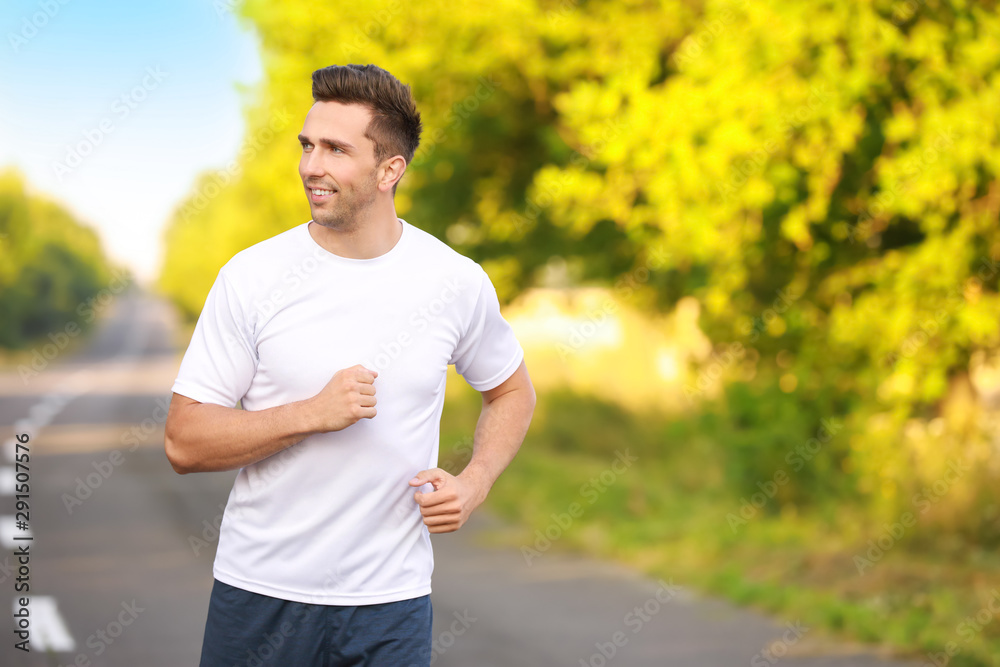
x: 121, y: 547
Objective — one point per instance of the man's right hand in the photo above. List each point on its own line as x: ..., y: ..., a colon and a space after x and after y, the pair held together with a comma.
x: 346, y: 398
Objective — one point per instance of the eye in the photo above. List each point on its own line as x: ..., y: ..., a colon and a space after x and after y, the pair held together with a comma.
x: 304, y: 144
x: 337, y: 148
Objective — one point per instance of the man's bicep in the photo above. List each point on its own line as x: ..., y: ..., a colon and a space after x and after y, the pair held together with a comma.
x: 181, y: 401
x: 519, y: 380
x: 179, y: 405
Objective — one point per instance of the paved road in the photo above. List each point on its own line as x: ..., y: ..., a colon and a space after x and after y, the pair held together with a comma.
x: 122, y: 548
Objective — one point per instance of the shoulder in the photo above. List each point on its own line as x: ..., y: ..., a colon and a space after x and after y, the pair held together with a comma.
x: 461, y: 277
x: 261, y: 256
x: 259, y: 267
x: 438, y: 256
x: 255, y: 270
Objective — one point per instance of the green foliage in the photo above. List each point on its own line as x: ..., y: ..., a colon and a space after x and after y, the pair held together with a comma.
x: 821, y: 176
x: 667, y: 515
x: 50, y: 264
x: 774, y: 440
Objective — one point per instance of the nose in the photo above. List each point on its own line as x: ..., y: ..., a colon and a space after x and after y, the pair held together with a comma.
x: 310, y: 166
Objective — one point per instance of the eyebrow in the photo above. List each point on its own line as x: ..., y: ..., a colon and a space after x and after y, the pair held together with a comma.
x: 339, y: 143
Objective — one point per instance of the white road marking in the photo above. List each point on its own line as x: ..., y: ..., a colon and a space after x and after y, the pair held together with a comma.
x: 8, y: 531
x: 48, y: 629
x: 7, y: 480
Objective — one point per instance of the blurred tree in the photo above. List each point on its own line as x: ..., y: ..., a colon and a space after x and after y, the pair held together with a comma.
x: 50, y: 264
x: 821, y: 176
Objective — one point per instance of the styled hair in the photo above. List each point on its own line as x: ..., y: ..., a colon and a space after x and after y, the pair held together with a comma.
x: 395, y: 125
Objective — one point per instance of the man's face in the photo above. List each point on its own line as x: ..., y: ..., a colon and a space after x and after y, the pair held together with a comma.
x: 338, y: 166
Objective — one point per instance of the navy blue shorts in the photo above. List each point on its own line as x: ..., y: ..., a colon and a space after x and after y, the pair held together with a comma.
x: 246, y: 629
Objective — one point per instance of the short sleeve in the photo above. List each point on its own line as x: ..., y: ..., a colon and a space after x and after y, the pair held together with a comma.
x: 488, y: 352
x: 221, y: 359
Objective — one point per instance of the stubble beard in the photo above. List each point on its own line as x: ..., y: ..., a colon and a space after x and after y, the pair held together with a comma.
x: 351, y: 211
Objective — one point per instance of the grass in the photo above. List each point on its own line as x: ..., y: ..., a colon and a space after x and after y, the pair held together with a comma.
x: 666, y: 515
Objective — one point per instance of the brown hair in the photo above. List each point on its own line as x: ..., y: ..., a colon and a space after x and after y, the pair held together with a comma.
x: 395, y: 125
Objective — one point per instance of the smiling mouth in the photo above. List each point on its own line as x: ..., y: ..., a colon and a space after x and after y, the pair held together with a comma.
x: 319, y: 195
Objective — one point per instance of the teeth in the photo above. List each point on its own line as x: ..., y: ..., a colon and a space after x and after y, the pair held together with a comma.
x: 321, y: 192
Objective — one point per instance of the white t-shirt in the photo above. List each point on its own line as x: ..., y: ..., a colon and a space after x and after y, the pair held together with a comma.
x: 332, y: 519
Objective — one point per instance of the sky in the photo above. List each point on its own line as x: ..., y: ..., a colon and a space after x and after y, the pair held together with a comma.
x: 113, y: 108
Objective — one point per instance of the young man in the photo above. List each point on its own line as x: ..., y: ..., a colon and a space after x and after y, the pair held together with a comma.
x: 324, y: 553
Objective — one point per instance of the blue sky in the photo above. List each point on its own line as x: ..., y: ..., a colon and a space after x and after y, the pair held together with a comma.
x: 112, y: 108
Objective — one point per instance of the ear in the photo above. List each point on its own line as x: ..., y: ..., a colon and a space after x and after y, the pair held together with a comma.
x: 390, y: 172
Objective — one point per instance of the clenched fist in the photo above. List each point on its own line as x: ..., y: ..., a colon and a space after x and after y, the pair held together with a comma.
x: 448, y: 506
x: 346, y: 398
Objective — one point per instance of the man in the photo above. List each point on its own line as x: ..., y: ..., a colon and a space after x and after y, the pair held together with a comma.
x: 324, y: 553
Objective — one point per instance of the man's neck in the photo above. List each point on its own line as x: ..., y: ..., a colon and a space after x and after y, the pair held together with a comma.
x: 372, y: 238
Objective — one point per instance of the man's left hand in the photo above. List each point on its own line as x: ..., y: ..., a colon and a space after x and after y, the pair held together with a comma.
x: 449, y: 505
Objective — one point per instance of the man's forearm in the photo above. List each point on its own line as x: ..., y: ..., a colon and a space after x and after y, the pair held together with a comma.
x: 213, y: 437
x: 204, y: 437
x: 500, y: 431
